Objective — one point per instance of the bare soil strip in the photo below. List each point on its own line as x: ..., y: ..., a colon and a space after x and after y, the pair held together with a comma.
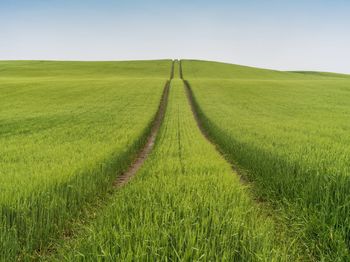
x: 191, y: 101
x: 147, y: 148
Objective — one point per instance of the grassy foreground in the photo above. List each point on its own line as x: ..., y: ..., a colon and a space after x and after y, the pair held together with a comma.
x: 291, y: 132
x: 185, y: 204
x: 66, y: 130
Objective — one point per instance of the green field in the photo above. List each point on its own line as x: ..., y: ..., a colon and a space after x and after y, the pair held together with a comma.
x: 185, y: 204
x: 66, y: 130
x: 290, y: 131
x: 69, y: 129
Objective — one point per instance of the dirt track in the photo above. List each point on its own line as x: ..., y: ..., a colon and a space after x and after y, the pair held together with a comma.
x: 147, y: 148
x: 201, y: 128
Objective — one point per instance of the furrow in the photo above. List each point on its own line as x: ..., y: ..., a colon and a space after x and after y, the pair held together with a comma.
x: 192, y: 103
x: 145, y: 151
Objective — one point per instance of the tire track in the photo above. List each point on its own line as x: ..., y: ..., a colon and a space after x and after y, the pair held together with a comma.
x: 192, y: 103
x: 147, y: 148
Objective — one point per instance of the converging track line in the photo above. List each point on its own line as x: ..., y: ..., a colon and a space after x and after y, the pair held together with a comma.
x: 191, y: 101
x: 147, y: 148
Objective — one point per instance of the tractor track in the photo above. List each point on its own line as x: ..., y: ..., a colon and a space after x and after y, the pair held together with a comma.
x: 192, y: 103
x: 143, y: 154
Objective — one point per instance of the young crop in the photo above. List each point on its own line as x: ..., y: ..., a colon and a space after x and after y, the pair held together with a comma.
x: 185, y: 204
x: 66, y: 130
x: 290, y: 131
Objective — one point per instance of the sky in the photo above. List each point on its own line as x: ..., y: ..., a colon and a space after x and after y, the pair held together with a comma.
x: 276, y: 34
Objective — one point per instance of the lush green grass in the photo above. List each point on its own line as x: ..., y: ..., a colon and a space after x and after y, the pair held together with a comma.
x: 213, y: 70
x: 291, y: 132
x: 185, y: 204
x: 66, y: 130
x: 85, y: 70
x: 325, y: 74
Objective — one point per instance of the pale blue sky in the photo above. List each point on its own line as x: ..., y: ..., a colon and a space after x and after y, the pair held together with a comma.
x: 280, y: 34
